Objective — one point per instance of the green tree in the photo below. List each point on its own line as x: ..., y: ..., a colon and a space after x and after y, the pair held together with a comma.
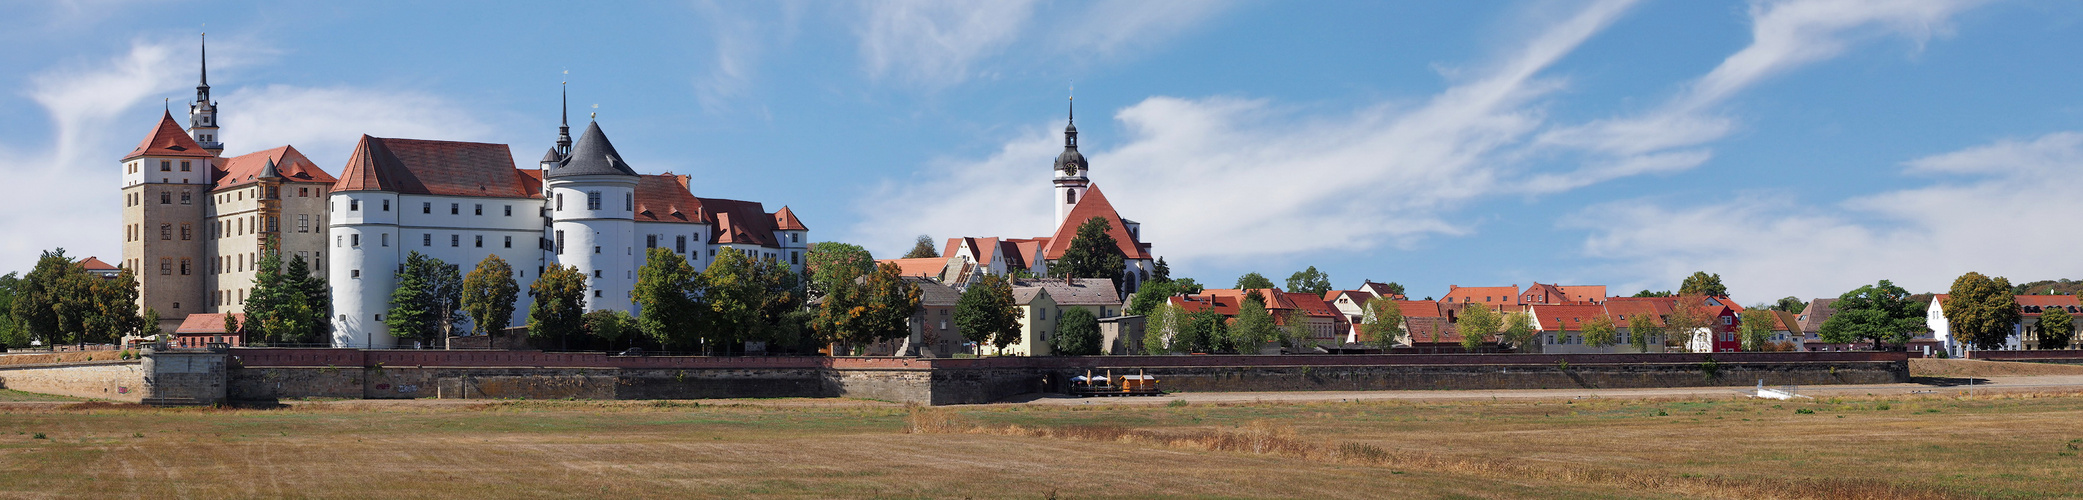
x: 748, y: 300
x: 1476, y: 324
x: 1641, y: 329
x: 1253, y: 281
x: 1254, y: 327
x: 1077, y: 333
x: 1310, y: 281
x: 875, y: 308
x: 1757, y: 328
x: 427, y: 300
x: 149, y: 329
x: 489, y: 293
x: 557, y: 312
x: 1688, y: 321
x: 987, y: 315
x: 1646, y: 293
x: 12, y: 333
x: 834, y: 265
x: 2056, y: 329
x: 1600, y: 331
x: 1161, y: 325
x: 1151, y: 296
x: 1186, y: 286
x: 270, y: 303
x: 1881, y: 313
x: 667, y: 289
x: 1701, y: 283
x: 48, y: 303
x: 922, y: 249
x: 1980, y: 310
x: 1790, y: 304
x: 1294, y: 330
x: 1205, y: 331
x: 1162, y: 273
x: 304, y: 319
x: 605, y: 326
x: 1092, y: 254
x: 1381, y: 319
x: 112, y: 313
x: 232, y: 326
x: 1518, y: 329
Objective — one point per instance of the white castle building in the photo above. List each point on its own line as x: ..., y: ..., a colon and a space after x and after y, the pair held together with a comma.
x: 194, y: 222
x: 582, y: 207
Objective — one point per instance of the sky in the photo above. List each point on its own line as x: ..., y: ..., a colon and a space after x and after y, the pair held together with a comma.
x: 1796, y: 148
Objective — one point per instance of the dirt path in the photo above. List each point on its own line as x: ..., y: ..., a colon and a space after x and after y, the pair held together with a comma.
x: 2046, y: 383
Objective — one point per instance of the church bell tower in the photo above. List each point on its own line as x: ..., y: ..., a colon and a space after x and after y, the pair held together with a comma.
x: 1070, y: 166
x: 202, y: 114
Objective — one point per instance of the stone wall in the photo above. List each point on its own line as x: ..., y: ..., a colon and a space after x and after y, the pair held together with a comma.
x: 110, y: 380
x: 2066, y: 356
x: 184, y: 377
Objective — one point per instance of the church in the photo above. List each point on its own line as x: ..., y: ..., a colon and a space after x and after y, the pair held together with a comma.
x: 194, y: 221
x: 1077, y: 199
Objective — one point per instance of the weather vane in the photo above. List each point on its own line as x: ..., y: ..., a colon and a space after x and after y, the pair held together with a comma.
x: 596, y: 114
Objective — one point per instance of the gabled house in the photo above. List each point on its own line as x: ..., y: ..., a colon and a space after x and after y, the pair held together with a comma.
x: 1497, y: 298
x: 1561, y: 329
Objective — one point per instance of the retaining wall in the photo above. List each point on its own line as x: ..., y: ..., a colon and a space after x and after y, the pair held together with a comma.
x: 2069, y: 356
x: 111, y: 380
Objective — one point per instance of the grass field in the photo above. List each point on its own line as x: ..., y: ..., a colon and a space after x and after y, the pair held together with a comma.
x: 2008, y: 446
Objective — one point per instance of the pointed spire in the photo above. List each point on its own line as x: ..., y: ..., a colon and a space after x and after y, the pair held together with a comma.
x: 269, y: 171
x: 205, y: 62
x: 564, y: 118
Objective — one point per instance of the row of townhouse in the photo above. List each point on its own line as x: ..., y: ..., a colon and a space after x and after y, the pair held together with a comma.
x: 1041, y: 302
x: 1557, y: 313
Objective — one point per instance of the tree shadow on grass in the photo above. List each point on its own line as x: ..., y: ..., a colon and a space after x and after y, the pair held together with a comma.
x: 1948, y: 381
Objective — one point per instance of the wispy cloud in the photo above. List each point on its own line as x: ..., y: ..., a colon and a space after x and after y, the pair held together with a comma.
x: 1229, y: 178
x: 1998, y: 209
x: 325, y: 122
x: 934, y: 43
x: 1108, y: 29
x: 742, y: 40
x: 1785, y: 35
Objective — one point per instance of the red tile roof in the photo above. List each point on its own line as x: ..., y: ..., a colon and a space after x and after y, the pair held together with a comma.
x: 1624, y: 309
x: 167, y: 139
x: 290, y: 164
x: 1359, y: 297
x: 206, y: 323
x: 1567, y: 317
x: 94, y: 264
x: 785, y: 220
x: 1584, y: 293
x: 737, y: 221
x: 1311, y: 305
x: 1094, y: 204
x: 411, y: 166
x: 925, y: 267
x: 664, y: 198
x: 1420, y: 309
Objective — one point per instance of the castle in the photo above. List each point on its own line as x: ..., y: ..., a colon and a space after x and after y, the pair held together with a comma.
x: 202, y: 219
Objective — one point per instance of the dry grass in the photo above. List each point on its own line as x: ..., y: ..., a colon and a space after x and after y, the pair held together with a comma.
x: 1932, y: 367
x: 2011, y: 445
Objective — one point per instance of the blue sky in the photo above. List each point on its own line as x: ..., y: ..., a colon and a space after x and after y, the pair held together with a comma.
x: 1794, y: 147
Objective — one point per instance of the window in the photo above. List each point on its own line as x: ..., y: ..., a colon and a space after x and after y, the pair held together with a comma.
x: 355, y: 273
x: 426, y: 240
x: 386, y: 239
x: 1070, y: 197
x: 650, y: 241
x: 166, y: 265
x: 596, y: 293
x: 560, y: 202
x: 509, y: 210
x: 186, y: 233
x: 455, y: 209
x: 274, y: 224
x: 480, y: 243
x: 386, y: 205
x: 596, y: 273
x: 354, y: 205
x: 187, y: 198
x: 303, y: 192
x: 593, y: 200
x: 560, y: 242
x: 166, y: 197
x: 509, y: 242
x: 795, y: 237
x: 185, y: 266
x: 166, y: 231
x: 680, y: 244
x: 339, y: 241
x: 166, y: 166
x: 303, y: 223
x: 628, y: 202
x: 354, y: 240
x: 480, y: 209
x: 426, y: 207
x: 596, y: 249
x: 795, y: 258
x: 455, y: 240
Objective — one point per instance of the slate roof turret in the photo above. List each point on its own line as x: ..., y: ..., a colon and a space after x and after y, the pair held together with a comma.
x: 592, y: 155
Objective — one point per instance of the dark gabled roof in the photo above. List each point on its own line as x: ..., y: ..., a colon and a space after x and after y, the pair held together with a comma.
x: 592, y: 155
x: 932, y: 293
x: 551, y: 156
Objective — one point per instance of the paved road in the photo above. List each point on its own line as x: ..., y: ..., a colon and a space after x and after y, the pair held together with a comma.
x: 2045, y: 383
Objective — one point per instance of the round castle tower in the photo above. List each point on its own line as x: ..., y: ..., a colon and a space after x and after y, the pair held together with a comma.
x: 592, y: 219
x: 364, y: 221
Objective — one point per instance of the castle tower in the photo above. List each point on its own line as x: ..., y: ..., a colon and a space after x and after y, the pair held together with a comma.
x: 166, y: 181
x: 592, y: 209
x: 363, y: 221
x: 202, y: 114
x: 1070, y: 170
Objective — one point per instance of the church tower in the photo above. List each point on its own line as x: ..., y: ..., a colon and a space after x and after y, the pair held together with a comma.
x: 1070, y: 170
x: 202, y: 114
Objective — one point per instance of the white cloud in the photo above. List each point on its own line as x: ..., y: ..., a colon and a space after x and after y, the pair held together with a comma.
x: 934, y: 42
x: 1225, y: 178
x: 1999, y: 209
x: 741, y: 41
x: 1113, y: 28
x: 1784, y: 35
x: 324, y: 123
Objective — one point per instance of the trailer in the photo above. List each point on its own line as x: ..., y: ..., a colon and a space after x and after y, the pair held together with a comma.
x: 1089, y: 385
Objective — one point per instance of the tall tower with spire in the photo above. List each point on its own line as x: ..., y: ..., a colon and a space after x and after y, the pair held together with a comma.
x: 1070, y: 166
x: 202, y: 114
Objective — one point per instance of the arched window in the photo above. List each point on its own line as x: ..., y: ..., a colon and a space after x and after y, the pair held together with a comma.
x: 1070, y: 197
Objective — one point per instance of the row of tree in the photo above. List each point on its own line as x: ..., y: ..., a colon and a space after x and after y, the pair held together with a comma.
x: 59, y: 302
